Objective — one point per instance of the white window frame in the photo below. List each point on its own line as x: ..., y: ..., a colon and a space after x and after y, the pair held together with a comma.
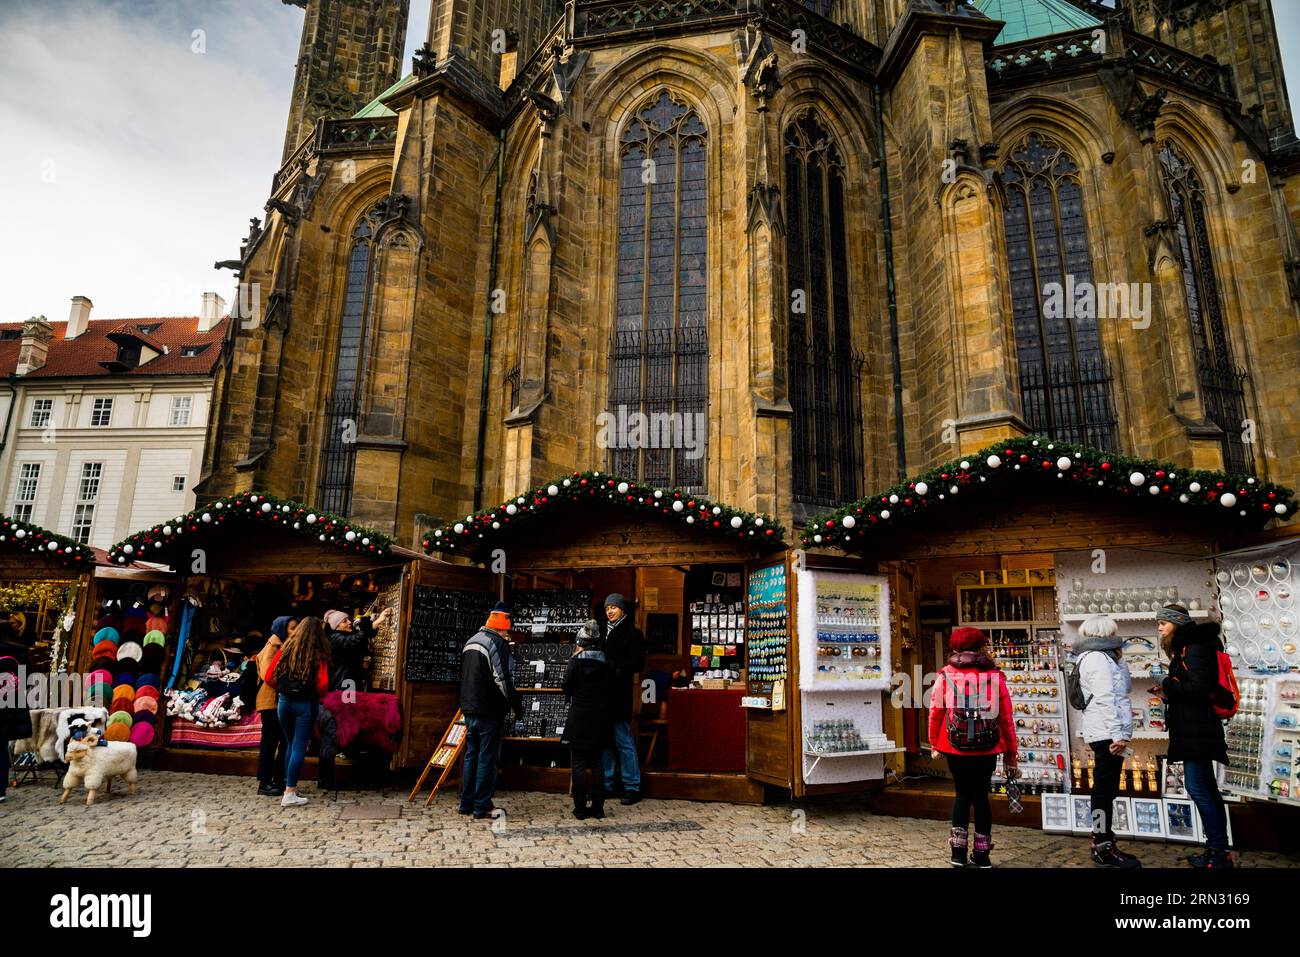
x: 26, y: 490
x: 180, y: 403
x: 45, y: 406
x: 83, y: 513
x: 101, y: 405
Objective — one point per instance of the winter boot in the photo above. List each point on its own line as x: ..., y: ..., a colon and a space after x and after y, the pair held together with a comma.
x: 580, y: 811
x: 597, y: 811
x: 980, y: 855
x: 1218, y: 859
x: 1107, y: 854
x: 957, y: 842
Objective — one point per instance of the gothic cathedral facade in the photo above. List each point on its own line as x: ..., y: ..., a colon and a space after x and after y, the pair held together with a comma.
x: 851, y: 238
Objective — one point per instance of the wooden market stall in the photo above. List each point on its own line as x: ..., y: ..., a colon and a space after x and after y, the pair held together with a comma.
x: 44, y: 579
x: 231, y: 566
x: 1025, y: 540
x: 688, y: 565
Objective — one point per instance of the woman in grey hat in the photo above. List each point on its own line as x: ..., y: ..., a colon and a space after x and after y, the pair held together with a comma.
x: 1107, y: 727
x: 589, y: 728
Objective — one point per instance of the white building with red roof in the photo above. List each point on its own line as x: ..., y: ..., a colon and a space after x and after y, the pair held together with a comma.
x: 103, y: 421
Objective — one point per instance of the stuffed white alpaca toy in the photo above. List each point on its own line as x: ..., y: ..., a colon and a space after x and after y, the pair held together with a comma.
x: 96, y: 766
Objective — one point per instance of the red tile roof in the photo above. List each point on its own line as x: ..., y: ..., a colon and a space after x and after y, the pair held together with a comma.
x: 82, y: 356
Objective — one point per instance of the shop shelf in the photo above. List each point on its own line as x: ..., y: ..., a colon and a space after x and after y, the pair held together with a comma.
x: 1075, y: 618
x: 852, y: 754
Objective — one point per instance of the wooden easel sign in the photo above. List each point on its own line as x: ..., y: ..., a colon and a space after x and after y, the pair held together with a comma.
x: 444, y: 757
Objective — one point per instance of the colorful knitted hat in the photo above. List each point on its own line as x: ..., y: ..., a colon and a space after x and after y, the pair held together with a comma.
x: 105, y: 649
x: 144, y: 704
x: 157, y: 623
x: 148, y: 678
x: 99, y: 694
x: 98, y: 676
x: 129, y: 650
x: 125, y: 688
x: 155, y: 637
x: 120, y: 717
x: 144, y: 717
x: 142, y: 735
x: 107, y: 634
x: 118, y: 732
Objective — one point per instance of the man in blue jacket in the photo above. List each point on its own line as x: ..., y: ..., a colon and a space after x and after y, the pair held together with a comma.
x: 487, y: 694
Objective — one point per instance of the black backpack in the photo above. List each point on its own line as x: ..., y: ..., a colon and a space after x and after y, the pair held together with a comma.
x: 1074, y: 687
x: 969, y: 726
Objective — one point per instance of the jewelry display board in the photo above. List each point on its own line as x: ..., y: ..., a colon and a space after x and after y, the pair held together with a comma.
x: 442, y: 620
x: 768, y: 632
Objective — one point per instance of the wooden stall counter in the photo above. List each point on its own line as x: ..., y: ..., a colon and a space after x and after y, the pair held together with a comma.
x: 706, y: 730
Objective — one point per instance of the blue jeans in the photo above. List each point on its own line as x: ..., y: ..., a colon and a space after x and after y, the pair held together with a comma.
x: 478, y: 780
x: 625, y: 745
x: 297, y: 720
x: 1203, y: 789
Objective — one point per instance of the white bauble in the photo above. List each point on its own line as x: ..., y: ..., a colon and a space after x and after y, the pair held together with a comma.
x: 737, y: 521
x: 1137, y: 478
x: 993, y: 461
x: 1227, y: 500
x: 1064, y: 462
x: 849, y: 521
x: 922, y: 488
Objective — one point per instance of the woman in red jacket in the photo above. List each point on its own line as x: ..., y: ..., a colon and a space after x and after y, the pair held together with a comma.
x: 971, y: 724
x: 299, y: 673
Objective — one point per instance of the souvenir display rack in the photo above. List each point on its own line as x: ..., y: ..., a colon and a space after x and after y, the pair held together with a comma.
x: 850, y: 622
x: 549, y: 611
x: 540, y: 664
x: 767, y: 626
x: 998, y: 598
x: 1031, y: 664
x: 544, y: 717
x: 442, y: 620
x: 717, y: 635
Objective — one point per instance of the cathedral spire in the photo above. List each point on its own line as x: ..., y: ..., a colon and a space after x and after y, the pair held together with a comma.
x: 351, y: 52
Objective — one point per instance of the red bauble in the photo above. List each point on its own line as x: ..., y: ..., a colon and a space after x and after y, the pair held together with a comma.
x: 1024, y: 457
x: 1105, y: 466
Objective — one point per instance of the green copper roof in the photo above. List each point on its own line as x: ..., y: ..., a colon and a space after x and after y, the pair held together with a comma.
x: 375, y: 108
x: 1029, y: 19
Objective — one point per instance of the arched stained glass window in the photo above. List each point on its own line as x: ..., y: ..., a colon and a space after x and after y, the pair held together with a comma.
x: 1065, y: 381
x: 343, y: 404
x: 660, y: 356
x: 1223, y: 384
x: 824, y: 370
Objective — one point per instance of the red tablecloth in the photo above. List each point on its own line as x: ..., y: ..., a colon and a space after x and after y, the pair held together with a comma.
x: 706, y: 730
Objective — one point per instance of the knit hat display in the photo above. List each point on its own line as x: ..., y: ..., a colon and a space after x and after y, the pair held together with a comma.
x: 156, y: 624
x: 147, y: 678
x: 1175, y: 616
x: 117, y: 732
x: 120, y: 706
x: 125, y: 688
x: 144, y: 717
x: 155, y: 637
x: 615, y: 600
x: 107, y: 634
x: 967, y: 639
x: 120, y: 717
x: 98, y: 676
x: 499, y: 617
x: 142, y: 735
x: 105, y: 649
x: 145, y: 704
x: 99, y: 693
x: 129, y: 650
x: 147, y: 693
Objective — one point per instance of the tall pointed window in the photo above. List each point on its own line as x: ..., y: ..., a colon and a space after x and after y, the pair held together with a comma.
x: 1223, y: 384
x: 660, y: 350
x: 1065, y: 381
x: 343, y: 404
x: 824, y: 370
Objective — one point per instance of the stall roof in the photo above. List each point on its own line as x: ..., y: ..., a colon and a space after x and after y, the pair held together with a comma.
x: 561, y: 506
x: 255, y: 533
x: 1014, y: 472
x: 28, y: 540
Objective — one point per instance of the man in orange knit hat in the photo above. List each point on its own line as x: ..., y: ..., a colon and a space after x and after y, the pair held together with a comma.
x: 487, y: 693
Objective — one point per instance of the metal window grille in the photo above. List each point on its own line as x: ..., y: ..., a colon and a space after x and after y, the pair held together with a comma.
x: 825, y: 391
x: 1071, y: 403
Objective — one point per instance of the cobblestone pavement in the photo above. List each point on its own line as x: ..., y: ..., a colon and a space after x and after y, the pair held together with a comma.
x: 202, y: 819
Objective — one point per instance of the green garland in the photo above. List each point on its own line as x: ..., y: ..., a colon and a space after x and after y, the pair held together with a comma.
x: 188, y: 530
x: 41, y: 541
x: 581, y: 487
x: 1039, y: 460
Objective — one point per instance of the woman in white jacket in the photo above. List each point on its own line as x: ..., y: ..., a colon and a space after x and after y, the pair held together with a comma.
x: 1107, y: 727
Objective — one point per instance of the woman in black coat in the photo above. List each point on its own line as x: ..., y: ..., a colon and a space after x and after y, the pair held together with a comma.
x: 589, y: 688
x: 1196, y: 735
x: 15, y: 718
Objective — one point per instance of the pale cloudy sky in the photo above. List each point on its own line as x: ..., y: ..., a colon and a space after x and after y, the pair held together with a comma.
x: 129, y: 163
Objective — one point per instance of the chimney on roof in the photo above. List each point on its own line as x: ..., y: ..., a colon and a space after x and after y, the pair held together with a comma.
x: 213, y: 307
x: 78, y: 317
x: 35, y: 347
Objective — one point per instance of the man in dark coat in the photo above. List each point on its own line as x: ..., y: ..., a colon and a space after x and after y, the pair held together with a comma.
x: 588, y: 730
x: 1196, y: 735
x: 625, y: 651
x: 15, y: 718
x: 487, y: 693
